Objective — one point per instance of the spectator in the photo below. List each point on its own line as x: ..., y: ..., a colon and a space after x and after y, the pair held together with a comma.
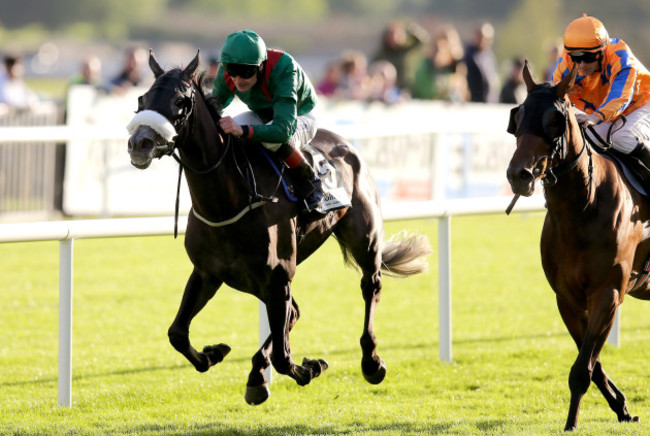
x: 131, y: 73
x: 482, y: 71
x: 355, y: 82
x: 400, y: 43
x: 553, y: 57
x: 330, y: 84
x: 514, y: 90
x: 14, y: 92
x: 90, y: 73
x: 383, y: 83
x: 442, y: 74
x: 211, y: 72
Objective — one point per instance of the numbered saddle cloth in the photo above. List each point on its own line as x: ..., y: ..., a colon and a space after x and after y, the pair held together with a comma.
x: 336, y: 197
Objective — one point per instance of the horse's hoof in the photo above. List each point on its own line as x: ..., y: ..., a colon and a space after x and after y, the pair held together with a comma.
x: 257, y: 394
x: 628, y: 418
x: 378, y: 376
x: 316, y: 366
x: 216, y: 353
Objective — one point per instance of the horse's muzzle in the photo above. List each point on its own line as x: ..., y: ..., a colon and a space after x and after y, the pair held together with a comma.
x: 143, y: 147
x: 522, y: 180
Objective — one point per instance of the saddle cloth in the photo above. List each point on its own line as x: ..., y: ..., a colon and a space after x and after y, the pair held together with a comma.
x: 336, y: 197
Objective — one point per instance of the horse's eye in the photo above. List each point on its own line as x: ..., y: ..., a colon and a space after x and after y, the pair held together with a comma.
x: 179, y: 102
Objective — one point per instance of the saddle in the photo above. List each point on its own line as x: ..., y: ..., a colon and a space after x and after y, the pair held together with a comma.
x: 335, y: 195
x: 630, y: 167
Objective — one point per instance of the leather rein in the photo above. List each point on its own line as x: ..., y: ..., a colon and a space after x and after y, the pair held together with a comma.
x: 184, y: 124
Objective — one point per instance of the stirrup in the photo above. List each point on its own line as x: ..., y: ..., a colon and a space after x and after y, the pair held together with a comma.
x: 315, y: 203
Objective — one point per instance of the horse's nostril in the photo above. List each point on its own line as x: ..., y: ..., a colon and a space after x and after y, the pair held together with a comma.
x: 147, y: 143
x: 525, y: 175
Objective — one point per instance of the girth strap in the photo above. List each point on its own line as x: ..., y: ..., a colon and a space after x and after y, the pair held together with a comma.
x: 234, y: 219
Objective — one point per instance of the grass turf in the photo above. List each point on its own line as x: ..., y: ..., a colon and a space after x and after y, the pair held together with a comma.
x: 511, y: 352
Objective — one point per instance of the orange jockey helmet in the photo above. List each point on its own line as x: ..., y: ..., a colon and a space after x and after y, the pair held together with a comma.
x: 585, y: 34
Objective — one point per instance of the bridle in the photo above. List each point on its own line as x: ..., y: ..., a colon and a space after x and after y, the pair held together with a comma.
x: 552, y: 174
x: 183, y: 126
x: 559, y: 152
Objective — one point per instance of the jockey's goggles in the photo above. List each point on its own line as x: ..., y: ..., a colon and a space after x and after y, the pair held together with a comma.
x: 584, y: 56
x: 241, y: 70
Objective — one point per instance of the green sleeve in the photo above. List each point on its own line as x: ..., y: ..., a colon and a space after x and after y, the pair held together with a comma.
x: 283, y: 88
x: 220, y: 89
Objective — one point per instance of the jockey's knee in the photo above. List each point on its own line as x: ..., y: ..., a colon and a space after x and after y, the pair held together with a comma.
x: 625, y: 142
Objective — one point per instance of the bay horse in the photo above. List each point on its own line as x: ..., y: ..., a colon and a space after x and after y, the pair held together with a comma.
x: 243, y: 231
x: 594, y: 242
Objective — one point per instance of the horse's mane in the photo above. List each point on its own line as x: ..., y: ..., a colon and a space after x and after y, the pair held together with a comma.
x: 214, y: 106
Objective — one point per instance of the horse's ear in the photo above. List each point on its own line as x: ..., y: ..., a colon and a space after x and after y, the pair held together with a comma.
x: 154, y: 65
x: 191, y: 68
x: 566, y: 83
x: 528, y: 78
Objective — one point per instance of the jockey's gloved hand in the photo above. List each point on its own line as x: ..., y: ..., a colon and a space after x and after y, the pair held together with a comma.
x: 581, y: 116
x: 585, y: 119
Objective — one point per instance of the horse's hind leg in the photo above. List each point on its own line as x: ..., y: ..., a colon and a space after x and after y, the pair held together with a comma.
x: 374, y: 369
x: 257, y: 390
x: 612, y: 394
x: 367, y: 254
x: 198, y: 292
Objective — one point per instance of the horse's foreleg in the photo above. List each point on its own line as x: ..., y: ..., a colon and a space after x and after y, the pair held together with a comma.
x: 374, y: 369
x: 280, y: 311
x: 197, y: 293
x: 601, y: 312
x: 257, y: 390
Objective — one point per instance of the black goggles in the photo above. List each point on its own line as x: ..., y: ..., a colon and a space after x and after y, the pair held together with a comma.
x: 581, y: 56
x: 241, y: 70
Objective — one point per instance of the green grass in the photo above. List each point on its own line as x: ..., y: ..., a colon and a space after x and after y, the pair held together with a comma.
x: 511, y: 352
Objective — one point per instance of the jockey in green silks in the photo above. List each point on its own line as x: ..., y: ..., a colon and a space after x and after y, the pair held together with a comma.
x: 280, y: 97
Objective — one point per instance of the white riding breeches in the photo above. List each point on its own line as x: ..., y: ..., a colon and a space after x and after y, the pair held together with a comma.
x: 305, y: 129
x: 628, y: 133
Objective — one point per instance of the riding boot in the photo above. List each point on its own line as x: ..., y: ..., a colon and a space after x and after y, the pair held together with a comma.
x: 307, y: 184
x: 642, y: 153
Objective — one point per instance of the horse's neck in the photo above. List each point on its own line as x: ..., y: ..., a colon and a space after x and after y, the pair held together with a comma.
x: 210, y: 173
x: 574, y: 192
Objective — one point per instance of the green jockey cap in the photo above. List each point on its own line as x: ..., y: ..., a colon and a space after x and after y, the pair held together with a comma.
x: 243, y: 47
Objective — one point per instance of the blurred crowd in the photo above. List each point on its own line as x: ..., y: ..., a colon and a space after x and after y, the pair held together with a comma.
x: 16, y: 95
x: 409, y: 63
x: 412, y: 63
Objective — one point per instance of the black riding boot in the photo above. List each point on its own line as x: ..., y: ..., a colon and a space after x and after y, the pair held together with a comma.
x: 642, y: 153
x: 307, y: 185
x: 305, y: 181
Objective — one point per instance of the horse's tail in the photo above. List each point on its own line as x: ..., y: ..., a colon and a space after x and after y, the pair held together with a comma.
x: 405, y: 255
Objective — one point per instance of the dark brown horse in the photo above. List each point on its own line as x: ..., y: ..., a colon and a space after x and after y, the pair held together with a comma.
x: 243, y: 231
x: 593, y: 242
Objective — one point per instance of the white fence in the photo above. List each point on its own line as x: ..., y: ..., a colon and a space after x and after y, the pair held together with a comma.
x: 28, y: 170
x: 420, y: 150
